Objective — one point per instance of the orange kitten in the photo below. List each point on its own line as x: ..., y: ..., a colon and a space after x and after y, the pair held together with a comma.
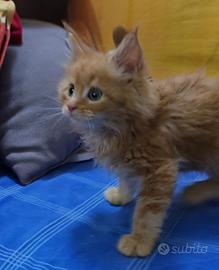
x: 139, y: 130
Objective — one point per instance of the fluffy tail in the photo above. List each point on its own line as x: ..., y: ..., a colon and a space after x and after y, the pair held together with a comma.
x: 201, y: 191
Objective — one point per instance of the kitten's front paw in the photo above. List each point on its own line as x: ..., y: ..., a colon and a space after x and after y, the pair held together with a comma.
x: 114, y: 197
x: 133, y: 246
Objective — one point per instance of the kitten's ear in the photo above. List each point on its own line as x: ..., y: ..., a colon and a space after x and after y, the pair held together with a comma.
x: 118, y: 34
x: 128, y: 57
x: 77, y: 45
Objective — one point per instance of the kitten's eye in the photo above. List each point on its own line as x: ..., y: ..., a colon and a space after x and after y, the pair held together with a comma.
x: 95, y: 94
x: 71, y: 90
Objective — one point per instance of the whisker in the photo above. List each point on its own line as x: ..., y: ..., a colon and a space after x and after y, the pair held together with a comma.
x: 70, y: 131
x: 89, y: 125
x: 93, y: 125
x: 57, y: 122
x: 53, y: 99
x: 57, y: 113
x: 58, y: 108
x: 45, y: 118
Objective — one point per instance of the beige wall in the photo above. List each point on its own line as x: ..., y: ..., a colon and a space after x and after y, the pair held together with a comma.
x: 177, y: 35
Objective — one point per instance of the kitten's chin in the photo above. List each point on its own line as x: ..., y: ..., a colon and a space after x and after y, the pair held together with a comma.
x: 85, y: 126
x: 75, y: 118
x: 82, y: 124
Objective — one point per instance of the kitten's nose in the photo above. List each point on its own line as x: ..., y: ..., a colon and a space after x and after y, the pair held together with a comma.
x: 71, y: 108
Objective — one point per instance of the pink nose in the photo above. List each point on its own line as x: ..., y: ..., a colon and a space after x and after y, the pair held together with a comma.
x: 71, y: 108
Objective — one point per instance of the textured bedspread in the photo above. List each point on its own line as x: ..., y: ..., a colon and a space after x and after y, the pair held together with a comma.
x: 62, y: 222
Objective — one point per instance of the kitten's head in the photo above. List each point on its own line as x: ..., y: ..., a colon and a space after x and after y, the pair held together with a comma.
x: 104, y: 91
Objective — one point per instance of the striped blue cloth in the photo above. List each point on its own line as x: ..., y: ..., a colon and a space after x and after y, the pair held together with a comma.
x: 62, y: 222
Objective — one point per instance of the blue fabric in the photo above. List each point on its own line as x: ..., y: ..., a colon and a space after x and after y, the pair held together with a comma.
x: 62, y: 222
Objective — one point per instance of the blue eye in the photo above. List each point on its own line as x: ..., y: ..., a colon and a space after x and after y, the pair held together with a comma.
x: 71, y: 90
x: 95, y: 94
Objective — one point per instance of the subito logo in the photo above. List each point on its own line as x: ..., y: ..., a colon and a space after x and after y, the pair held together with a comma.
x: 163, y: 249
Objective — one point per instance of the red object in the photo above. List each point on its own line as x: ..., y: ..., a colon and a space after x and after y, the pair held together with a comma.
x: 14, y: 35
x: 4, y: 39
x: 16, y: 30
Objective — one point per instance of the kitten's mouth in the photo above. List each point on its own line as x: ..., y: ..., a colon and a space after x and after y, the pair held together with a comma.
x: 86, y: 122
x: 82, y: 122
x: 72, y: 114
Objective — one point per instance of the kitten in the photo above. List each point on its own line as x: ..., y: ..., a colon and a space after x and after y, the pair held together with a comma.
x: 139, y: 129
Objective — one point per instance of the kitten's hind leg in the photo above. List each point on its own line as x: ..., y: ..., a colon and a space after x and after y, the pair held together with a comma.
x: 123, y: 194
x: 201, y: 191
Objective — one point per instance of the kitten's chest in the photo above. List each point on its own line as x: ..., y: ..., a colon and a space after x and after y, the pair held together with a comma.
x: 128, y: 158
x: 128, y: 153
x: 136, y: 155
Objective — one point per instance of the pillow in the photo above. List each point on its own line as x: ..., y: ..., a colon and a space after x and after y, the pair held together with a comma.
x: 34, y: 135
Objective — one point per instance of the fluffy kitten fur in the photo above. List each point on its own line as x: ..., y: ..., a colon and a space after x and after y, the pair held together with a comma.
x: 140, y: 130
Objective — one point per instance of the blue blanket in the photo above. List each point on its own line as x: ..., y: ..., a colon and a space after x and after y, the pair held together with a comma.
x: 62, y: 222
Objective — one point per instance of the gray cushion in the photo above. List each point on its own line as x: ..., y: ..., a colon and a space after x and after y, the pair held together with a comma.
x: 34, y: 135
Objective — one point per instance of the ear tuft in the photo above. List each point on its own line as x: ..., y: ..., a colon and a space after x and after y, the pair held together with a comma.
x: 135, y: 31
x: 77, y: 45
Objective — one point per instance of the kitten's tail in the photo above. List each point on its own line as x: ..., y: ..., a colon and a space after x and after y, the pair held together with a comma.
x: 201, y: 191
